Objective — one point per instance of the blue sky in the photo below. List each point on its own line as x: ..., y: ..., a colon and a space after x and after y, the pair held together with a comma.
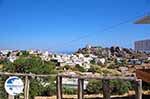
x: 57, y: 24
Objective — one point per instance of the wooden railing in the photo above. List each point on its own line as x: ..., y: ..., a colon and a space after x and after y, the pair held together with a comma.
x: 27, y: 81
x: 105, y: 85
x: 81, y: 78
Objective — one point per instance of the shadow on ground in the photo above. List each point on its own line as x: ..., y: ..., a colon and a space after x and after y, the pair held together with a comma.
x: 127, y: 97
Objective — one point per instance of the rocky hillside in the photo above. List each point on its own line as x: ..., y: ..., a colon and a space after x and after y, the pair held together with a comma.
x: 113, y: 51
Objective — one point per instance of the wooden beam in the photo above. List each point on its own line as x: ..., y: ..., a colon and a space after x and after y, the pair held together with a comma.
x: 11, y: 97
x: 138, y: 89
x: 106, y: 89
x: 72, y: 76
x: 26, y: 89
x: 24, y: 74
x: 59, y: 87
x: 80, y: 88
x: 109, y: 77
x: 99, y: 77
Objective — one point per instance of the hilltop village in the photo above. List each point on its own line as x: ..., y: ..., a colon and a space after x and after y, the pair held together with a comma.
x: 121, y: 60
x: 91, y: 60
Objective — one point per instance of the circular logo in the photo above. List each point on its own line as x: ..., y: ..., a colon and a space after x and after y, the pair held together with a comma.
x: 14, y: 85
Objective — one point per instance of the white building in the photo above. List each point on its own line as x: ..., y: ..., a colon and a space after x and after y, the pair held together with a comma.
x: 72, y: 82
x: 12, y: 58
x: 5, y: 52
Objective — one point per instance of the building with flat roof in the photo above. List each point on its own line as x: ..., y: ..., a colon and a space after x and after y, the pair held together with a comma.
x: 142, y: 45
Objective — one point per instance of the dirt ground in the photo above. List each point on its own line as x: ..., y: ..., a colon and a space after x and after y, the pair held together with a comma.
x: 95, y: 97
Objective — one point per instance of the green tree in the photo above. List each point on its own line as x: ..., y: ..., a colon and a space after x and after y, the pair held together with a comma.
x: 92, y: 69
x: 79, y: 68
x: 30, y: 65
x: 93, y: 62
x: 94, y: 87
x: 69, y: 91
x: 120, y: 86
x: 8, y: 54
x: 25, y: 53
x: 95, y: 69
x: 3, y: 94
x: 38, y: 86
x: 67, y: 67
x: 116, y: 87
x: 147, y: 61
x: 146, y: 85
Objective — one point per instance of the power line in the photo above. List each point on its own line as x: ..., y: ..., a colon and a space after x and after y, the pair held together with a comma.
x: 103, y: 30
x: 147, y: 4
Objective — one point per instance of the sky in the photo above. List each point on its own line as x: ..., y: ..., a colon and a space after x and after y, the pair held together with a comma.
x: 66, y: 25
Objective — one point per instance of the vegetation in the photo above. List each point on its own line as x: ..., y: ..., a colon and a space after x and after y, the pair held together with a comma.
x: 147, y: 61
x: 116, y: 86
x: 70, y: 91
x: 29, y: 65
x: 38, y: 86
x: 79, y: 68
x: 24, y: 53
x: 93, y: 62
x: 46, y: 86
x: 145, y: 85
x: 120, y: 86
x: 94, y: 87
x: 3, y: 94
x: 103, y: 71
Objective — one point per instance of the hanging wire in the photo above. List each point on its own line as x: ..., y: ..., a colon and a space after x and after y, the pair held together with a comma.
x: 147, y: 3
x: 103, y: 30
x: 138, y: 14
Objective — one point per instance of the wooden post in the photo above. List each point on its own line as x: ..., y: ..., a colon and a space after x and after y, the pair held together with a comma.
x: 106, y: 89
x: 80, y: 88
x: 26, y: 89
x: 10, y: 97
x: 138, y: 89
x: 59, y: 87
